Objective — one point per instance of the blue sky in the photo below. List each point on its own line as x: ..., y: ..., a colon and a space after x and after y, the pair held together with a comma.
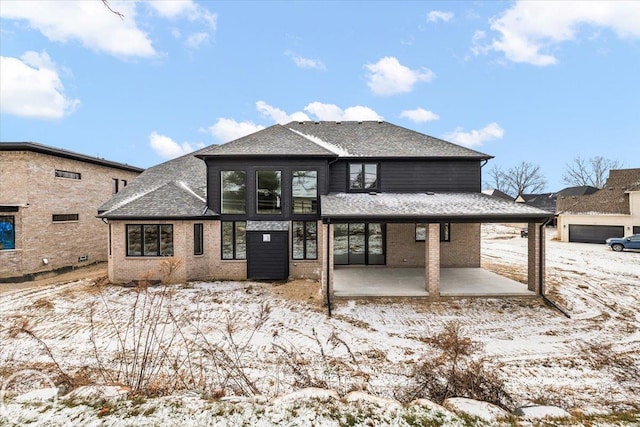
x: 541, y: 82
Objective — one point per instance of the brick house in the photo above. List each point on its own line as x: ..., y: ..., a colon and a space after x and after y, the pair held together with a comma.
x: 48, y: 202
x: 302, y: 199
x: 613, y: 211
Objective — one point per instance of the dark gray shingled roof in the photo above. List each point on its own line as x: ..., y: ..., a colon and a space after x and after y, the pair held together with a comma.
x: 275, y: 140
x: 381, y: 139
x: 425, y: 205
x: 150, y: 196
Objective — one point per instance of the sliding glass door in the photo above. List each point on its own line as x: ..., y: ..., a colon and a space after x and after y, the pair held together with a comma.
x: 358, y: 244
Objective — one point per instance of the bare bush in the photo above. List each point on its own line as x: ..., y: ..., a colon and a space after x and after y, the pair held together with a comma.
x: 456, y: 373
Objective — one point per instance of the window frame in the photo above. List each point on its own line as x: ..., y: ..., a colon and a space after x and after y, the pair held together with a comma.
x: 445, y: 231
x: 257, y: 190
x: 305, y: 256
x: 244, y: 184
x: 60, y: 173
x: 159, y: 245
x: 12, y: 221
x: 234, y: 238
x: 363, y: 166
x: 65, y: 218
x: 198, y: 238
x: 314, y: 202
x: 115, y: 185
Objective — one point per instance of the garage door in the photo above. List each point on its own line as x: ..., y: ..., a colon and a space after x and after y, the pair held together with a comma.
x: 594, y: 233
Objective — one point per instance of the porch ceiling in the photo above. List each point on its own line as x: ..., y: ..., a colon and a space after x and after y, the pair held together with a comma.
x: 408, y: 282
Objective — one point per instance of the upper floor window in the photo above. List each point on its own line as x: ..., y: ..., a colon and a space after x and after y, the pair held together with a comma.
x: 363, y: 176
x: 67, y: 174
x: 124, y: 183
x: 269, y: 192
x: 304, y: 191
x: 233, y: 191
x: 114, y: 185
x: 149, y: 240
x: 64, y: 217
x: 7, y: 232
x: 445, y: 232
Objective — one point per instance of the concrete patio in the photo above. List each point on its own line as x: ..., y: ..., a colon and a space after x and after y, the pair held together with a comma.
x: 460, y: 282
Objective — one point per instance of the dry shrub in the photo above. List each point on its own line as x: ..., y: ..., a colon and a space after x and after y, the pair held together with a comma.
x: 456, y: 373
x: 43, y: 303
x: 168, y: 269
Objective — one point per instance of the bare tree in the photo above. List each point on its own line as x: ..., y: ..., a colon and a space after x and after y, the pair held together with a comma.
x: 524, y: 178
x: 497, y: 179
x: 591, y: 171
x: 108, y: 6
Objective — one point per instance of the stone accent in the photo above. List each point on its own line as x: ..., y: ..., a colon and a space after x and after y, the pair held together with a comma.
x: 432, y: 261
x: 28, y: 179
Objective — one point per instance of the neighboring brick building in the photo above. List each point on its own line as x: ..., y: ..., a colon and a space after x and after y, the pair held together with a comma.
x: 613, y: 211
x: 48, y: 203
x: 302, y: 199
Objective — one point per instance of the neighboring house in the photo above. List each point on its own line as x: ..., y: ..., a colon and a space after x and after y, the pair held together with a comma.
x: 613, y: 211
x: 298, y: 200
x: 497, y: 193
x: 48, y: 202
x: 548, y: 201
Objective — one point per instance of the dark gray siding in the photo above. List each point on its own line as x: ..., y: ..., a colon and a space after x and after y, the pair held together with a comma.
x: 250, y: 166
x: 411, y: 176
x: 594, y: 233
x: 268, y: 260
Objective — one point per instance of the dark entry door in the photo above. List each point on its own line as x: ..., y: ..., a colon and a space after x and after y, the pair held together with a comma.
x: 594, y: 233
x: 267, y: 255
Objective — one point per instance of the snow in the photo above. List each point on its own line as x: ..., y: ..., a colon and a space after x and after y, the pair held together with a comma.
x: 540, y: 412
x: 483, y: 410
x: 324, y: 144
x: 588, y: 363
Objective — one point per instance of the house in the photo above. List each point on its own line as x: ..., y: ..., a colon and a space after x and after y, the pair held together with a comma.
x: 613, y: 211
x: 306, y: 199
x: 48, y: 202
x: 548, y: 201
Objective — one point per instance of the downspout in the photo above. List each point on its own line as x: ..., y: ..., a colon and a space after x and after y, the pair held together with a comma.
x: 328, y: 290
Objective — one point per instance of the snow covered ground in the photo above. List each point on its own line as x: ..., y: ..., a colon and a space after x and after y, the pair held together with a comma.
x: 253, y: 339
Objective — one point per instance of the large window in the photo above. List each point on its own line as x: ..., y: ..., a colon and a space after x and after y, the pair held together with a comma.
x: 233, y: 192
x: 305, y: 240
x: 269, y: 191
x: 445, y: 232
x: 198, y: 239
x: 359, y: 243
x: 304, y: 191
x: 67, y: 174
x: 7, y: 232
x: 149, y: 240
x: 363, y: 176
x: 234, y: 240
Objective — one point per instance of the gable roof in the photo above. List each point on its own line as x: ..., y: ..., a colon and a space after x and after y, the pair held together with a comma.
x: 611, y: 199
x: 341, y: 139
x: 59, y: 152
x: 170, y: 189
x: 497, y: 193
x: 275, y: 140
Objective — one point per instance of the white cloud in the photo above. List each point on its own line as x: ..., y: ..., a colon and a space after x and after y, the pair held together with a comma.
x: 196, y: 39
x: 475, y: 137
x: 176, y: 9
x: 389, y: 77
x: 306, y: 63
x: 528, y: 31
x: 88, y: 22
x: 420, y: 115
x: 167, y: 148
x: 278, y: 115
x: 226, y: 130
x: 438, y: 15
x: 31, y: 87
x: 334, y: 113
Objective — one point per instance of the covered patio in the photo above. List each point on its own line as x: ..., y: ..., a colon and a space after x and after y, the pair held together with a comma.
x: 395, y: 282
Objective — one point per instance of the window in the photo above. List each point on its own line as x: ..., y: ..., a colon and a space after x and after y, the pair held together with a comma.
x: 7, y: 232
x: 67, y: 174
x: 304, y: 191
x: 234, y: 240
x: 64, y: 217
x: 124, y: 183
x: 269, y: 190
x: 114, y: 185
x: 305, y: 240
x: 233, y: 192
x: 198, y: 239
x: 149, y: 240
x: 363, y: 176
x: 445, y: 232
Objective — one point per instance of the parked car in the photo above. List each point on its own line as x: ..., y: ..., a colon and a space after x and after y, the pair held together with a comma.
x: 618, y: 244
x: 524, y: 232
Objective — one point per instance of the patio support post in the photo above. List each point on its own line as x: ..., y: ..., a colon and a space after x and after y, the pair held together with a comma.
x: 432, y: 261
x: 535, y: 268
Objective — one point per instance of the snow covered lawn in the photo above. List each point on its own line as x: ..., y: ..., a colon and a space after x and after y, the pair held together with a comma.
x: 264, y: 341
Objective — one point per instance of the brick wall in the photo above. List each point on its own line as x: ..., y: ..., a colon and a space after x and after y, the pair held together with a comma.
x: 28, y: 178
